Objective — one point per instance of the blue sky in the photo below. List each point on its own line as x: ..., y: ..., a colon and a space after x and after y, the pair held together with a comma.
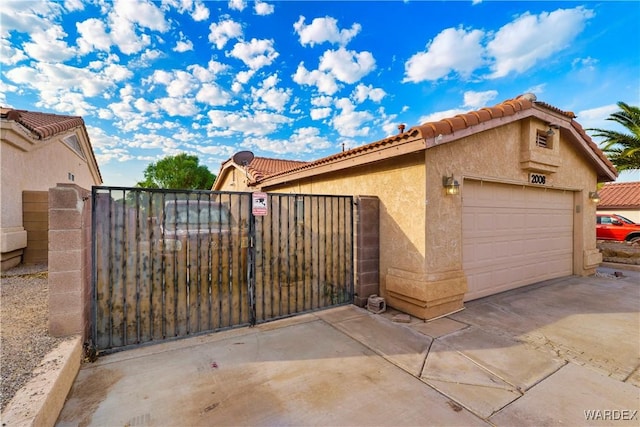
x: 301, y: 79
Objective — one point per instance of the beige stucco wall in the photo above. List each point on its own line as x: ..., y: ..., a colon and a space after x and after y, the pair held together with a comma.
x: 29, y: 164
x: 497, y: 155
x: 421, y: 227
x: 399, y: 185
x: 233, y: 179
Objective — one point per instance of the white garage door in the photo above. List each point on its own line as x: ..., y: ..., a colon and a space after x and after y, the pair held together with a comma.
x: 514, y: 236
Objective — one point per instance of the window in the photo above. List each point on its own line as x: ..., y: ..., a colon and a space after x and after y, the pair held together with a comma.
x: 73, y: 143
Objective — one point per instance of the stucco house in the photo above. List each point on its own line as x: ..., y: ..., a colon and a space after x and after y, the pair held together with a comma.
x: 622, y: 198
x: 39, y: 151
x: 470, y: 205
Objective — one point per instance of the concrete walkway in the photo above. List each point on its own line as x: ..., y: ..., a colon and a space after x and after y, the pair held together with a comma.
x: 563, y: 352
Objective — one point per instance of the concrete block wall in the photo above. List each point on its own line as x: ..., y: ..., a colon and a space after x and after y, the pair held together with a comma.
x: 367, y: 249
x: 69, y: 260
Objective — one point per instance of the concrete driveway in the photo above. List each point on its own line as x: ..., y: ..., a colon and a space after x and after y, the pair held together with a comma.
x: 562, y: 352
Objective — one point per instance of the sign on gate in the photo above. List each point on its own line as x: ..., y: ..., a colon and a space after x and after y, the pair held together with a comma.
x: 259, y: 205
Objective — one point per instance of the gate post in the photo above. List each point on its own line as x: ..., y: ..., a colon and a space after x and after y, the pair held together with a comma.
x: 69, y: 260
x: 367, y: 249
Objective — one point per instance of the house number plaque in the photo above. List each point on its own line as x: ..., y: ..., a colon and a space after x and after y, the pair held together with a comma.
x: 536, y: 178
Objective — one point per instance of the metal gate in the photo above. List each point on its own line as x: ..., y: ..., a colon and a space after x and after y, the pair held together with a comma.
x: 172, y: 264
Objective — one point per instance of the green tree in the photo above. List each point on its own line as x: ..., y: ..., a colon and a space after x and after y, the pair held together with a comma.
x: 181, y: 171
x: 623, y: 149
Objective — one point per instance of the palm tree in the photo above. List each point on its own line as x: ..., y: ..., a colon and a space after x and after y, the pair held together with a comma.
x: 622, y: 149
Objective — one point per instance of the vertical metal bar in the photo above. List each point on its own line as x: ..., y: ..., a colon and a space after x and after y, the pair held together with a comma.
x: 152, y: 258
x: 124, y: 269
x: 94, y: 269
x: 230, y: 268
x: 163, y: 315
x: 137, y: 234
x: 175, y: 267
x: 209, y: 262
x: 251, y: 267
x: 109, y: 305
x: 199, y: 268
x: 351, y: 256
x: 241, y: 274
x: 317, y: 264
x: 288, y: 254
x: 271, y: 254
x: 295, y: 250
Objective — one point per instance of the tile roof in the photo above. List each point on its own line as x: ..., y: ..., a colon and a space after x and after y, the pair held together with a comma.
x: 45, y: 125
x: 42, y: 125
x: 261, y: 167
x: 457, y: 123
x: 620, y: 195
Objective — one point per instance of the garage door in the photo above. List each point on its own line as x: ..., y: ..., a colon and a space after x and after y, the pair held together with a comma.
x: 514, y: 235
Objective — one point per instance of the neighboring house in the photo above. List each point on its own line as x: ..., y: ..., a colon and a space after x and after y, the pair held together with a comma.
x: 523, y: 214
x: 235, y: 177
x: 621, y: 198
x: 39, y: 150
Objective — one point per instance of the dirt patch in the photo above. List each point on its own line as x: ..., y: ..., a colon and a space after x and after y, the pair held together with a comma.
x: 23, y: 319
x: 620, y: 252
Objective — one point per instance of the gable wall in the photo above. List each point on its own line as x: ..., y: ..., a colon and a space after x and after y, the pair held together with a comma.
x: 35, y: 166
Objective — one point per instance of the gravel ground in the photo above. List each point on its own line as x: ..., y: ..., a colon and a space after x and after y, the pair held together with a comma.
x: 23, y: 326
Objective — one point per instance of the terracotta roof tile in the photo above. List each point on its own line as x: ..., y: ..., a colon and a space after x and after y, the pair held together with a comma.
x: 620, y: 195
x: 43, y: 125
x: 462, y: 121
x: 262, y: 166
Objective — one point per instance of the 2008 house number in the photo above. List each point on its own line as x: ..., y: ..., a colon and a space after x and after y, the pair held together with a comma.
x: 537, y: 179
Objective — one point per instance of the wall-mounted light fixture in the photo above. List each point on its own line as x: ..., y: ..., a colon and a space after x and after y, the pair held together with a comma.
x: 594, y: 196
x: 451, y: 186
x: 552, y: 129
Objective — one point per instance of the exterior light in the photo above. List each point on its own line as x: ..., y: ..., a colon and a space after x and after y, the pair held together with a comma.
x: 551, y: 131
x: 451, y: 186
x: 594, y: 196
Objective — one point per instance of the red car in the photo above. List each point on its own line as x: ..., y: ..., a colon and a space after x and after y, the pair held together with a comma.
x: 616, y: 227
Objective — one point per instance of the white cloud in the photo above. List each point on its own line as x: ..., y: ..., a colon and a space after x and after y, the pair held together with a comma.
x: 434, y: 117
x: 93, y: 35
x: 321, y: 101
x: 178, y: 106
x: 141, y: 12
x: 207, y: 74
x: 304, y: 140
x: 260, y: 123
x: 324, y: 30
x: 48, y: 45
x: 477, y: 100
x: 26, y: 17
x: 239, y: 5
x: 319, y: 113
x: 145, y: 106
x: 212, y: 94
x: 261, y: 8
x: 73, y: 5
x: 597, y: 117
x: 523, y: 43
x: 323, y: 81
x: 54, y: 80
x: 181, y: 84
x: 268, y: 96
x: 255, y: 53
x: 346, y: 65
x: 222, y: 32
x: 451, y: 51
x: 362, y: 92
x: 183, y: 46
x: 10, y: 55
x: 349, y: 122
x: 200, y: 12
